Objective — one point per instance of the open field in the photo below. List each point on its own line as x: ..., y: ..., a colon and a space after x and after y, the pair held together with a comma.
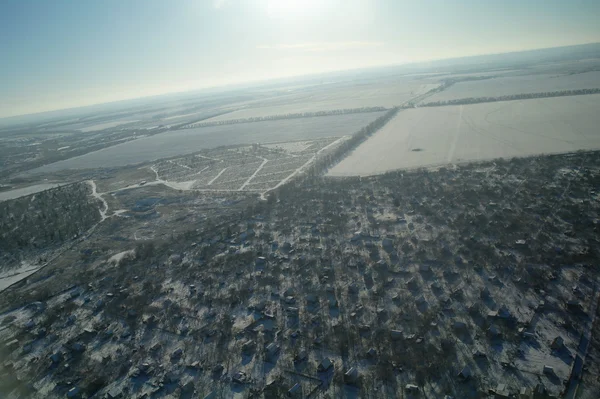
x: 186, y: 141
x: 390, y: 93
x: 23, y: 191
x: 509, y: 85
x: 445, y: 135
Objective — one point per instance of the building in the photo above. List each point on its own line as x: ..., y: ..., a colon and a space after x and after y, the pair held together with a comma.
x: 325, y: 365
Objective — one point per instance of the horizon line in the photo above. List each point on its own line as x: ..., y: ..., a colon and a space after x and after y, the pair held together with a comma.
x: 311, y: 74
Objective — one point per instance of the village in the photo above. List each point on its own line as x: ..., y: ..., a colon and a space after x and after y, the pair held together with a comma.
x: 472, y: 281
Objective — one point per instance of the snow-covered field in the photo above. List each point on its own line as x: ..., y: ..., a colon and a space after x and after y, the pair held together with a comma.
x: 187, y: 141
x: 12, y: 276
x: 23, y: 191
x: 445, y: 135
x: 507, y: 85
x: 384, y: 94
x: 106, y: 125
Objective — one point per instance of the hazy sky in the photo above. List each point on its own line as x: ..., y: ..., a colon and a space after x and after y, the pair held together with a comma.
x: 64, y: 53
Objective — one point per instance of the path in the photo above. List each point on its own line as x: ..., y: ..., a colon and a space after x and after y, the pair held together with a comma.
x: 294, y: 173
x: 265, y: 160
x: 99, y: 196
x: 216, y: 177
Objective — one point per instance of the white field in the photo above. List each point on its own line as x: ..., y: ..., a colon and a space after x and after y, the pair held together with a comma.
x: 105, y: 125
x: 10, y: 277
x: 23, y: 191
x: 186, y: 141
x: 324, y: 98
x: 452, y: 134
x: 508, y: 85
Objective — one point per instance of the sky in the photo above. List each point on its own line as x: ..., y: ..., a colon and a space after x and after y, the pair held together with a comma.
x: 62, y: 53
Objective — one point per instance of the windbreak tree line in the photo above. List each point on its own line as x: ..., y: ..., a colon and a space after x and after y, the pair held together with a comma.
x: 525, y: 96
x: 46, y: 218
x: 289, y: 116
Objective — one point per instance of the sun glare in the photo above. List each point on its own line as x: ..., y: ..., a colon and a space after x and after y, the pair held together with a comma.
x: 291, y: 8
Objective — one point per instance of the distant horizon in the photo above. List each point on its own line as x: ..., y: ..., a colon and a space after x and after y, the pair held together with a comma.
x: 259, y: 82
x: 61, y: 54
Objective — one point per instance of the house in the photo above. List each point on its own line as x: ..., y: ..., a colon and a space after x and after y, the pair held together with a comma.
x: 12, y: 344
x: 351, y: 376
x: 240, y: 377
x: 325, y: 365
x: 557, y: 343
x: 549, y: 370
x: 494, y: 332
x: 465, y: 373
x: 525, y: 393
x: 501, y: 391
x: 411, y: 388
x: 177, y: 353
x: 300, y: 356
x: 479, y: 354
x: 271, y: 351
x: 248, y: 346
x: 371, y: 353
x: 574, y: 306
x: 460, y: 326
x: 295, y: 391
x: 73, y: 393
x: 114, y: 393
x: 540, y: 392
x: 504, y: 313
x: 188, y: 388
x: 396, y: 335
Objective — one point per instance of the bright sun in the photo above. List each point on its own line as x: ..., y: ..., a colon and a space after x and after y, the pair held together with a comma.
x: 291, y: 8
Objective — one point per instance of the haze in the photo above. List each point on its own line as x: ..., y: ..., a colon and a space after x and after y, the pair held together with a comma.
x: 63, y: 54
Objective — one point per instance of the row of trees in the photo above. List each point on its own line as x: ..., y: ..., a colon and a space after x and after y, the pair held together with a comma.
x: 288, y: 116
x: 46, y: 218
x: 525, y: 96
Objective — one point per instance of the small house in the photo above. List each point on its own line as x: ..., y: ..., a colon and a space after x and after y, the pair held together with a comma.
x: 301, y: 356
x: 271, y: 351
x: 465, y: 373
x: 557, y: 343
x: 460, y: 326
x: 351, y: 376
x: 525, y: 393
x: 501, y: 391
x: 295, y: 391
x: 549, y: 370
x: 325, y: 365
x: 411, y: 388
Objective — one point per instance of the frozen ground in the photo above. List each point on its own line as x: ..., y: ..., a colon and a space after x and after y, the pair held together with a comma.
x: 330, y: 97
x: 445, y: 135
x: 187, y: 141
x: 507, y: 85
x: 12, y: 276
x: 21, y: 192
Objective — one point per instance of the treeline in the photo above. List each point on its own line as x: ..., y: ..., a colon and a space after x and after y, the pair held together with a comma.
x: 526, y: 96
x: 352, y: 143
x: 44, y: 219
x: 287, y: 116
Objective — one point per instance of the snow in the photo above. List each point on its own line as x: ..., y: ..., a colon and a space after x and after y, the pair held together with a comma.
x: 10, y: 277
x: 453, y: 134
x: 117, y: 258
x: 507, y: 85
x: 24, y: 191
x: 186, y: 141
